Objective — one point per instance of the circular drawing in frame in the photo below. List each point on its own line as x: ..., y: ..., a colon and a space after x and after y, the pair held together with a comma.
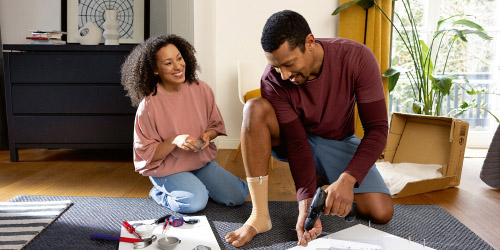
x: 94, y: 10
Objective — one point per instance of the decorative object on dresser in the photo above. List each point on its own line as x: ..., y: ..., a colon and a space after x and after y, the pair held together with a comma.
x: 111, y: 33
x: 66, y: 97
x: 90, y: 34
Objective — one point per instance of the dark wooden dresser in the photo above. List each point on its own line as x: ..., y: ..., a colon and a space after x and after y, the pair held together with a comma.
x: 66, y: 96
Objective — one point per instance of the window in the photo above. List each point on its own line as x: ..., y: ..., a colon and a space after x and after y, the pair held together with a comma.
x: 478, y: 60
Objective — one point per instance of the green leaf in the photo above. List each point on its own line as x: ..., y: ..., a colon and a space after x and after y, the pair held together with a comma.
x: 466, y: 105
x: 392, y: 71
x: 418, y: 107
x: 393, y: 81
x: 344, y: 6
x: 471, y: 92
x: 468, y: 23
x: 442, y: 83
x: 427, y: 66
x: 480, y: 33
x: 393, y: 74
x: 459, y: 34
x: 366, y: 4
x: 444, y: 20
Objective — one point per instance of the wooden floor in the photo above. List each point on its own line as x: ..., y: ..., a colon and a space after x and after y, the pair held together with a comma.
x: 111, y: 173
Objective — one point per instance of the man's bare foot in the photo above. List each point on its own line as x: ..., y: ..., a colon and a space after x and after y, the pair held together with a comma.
x: 241, y: 236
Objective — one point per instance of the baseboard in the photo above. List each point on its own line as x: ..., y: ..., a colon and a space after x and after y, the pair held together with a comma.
x: 223, y: 143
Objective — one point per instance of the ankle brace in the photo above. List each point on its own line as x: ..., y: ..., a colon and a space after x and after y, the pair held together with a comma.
x: 259, y: 219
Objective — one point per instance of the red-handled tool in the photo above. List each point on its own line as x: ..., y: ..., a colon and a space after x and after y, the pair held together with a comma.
x: 165, y: 225
x: 130, y: 229
x: 112, y: 237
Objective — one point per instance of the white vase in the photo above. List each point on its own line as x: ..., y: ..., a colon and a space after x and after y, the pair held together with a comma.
x: 92, y: 34
x: 111, y: 28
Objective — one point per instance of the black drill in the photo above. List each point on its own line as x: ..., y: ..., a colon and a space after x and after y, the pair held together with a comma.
x: 318, y: 205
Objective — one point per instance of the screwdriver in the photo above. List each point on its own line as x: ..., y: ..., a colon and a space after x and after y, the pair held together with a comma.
x: 130, y: 229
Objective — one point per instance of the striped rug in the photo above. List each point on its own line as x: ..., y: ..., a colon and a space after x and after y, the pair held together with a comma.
x: 20, y: 222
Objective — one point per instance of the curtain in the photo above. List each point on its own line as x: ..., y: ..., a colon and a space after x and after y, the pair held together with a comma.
x: 376, y: 35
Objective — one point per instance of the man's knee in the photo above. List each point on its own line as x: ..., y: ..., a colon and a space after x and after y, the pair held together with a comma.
x: 256, y: 109
x: 377, y: 207
x: 382, y: 214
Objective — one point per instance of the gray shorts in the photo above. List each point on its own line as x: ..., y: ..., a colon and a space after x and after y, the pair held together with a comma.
x: 332, y: 157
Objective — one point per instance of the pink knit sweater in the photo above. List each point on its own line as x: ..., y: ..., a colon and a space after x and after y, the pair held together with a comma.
x: 190, y: 111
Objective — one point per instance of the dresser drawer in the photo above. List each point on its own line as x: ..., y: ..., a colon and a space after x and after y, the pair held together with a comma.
x: 60, y: 99
x: 73, y: 129
x: 67, y: 67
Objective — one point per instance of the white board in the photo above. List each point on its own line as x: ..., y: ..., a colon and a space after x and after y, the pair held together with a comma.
x: 191, y: 235
x: 361, y: 237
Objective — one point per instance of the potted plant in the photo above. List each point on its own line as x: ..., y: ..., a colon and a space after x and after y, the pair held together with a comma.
x: 428, y: 85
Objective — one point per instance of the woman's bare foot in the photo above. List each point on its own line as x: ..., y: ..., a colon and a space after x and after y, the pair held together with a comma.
x: 241, y: 236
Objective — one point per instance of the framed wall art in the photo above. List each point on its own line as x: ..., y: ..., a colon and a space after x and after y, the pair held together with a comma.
x: 133, y: 17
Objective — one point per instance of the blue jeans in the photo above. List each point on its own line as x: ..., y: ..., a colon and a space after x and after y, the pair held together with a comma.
x: 332, y: 157
x: 188, y: 192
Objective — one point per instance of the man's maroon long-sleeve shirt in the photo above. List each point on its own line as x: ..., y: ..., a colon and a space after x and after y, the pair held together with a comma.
x: 325, y: 107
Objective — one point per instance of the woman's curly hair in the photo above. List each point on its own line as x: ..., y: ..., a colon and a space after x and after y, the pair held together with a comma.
x: 137, y: 72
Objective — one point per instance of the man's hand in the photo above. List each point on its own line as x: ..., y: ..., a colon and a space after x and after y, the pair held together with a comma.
x: 306, y: 237
x: 340, y: 196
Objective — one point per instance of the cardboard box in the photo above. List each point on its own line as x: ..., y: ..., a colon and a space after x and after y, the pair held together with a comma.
x: 427, y: 140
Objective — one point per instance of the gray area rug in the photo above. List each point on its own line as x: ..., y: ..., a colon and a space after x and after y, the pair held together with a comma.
x: 104, y: 215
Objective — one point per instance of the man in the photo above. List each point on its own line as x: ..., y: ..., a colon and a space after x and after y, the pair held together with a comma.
x: 306, y: 116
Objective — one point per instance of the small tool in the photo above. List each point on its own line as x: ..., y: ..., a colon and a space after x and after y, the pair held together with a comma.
x: 201, y: 144
x: 318, y: 205
x: 130, y: 229
x: 176, y: 221
x: 191, y: 220
x: 165, y: 225
x: 113, y: 237
x: 162, y: 219
x: 138, y: 243
x: 156, y: 222
x: 145, y: 242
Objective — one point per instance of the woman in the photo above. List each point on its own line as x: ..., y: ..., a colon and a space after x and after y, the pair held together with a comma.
x: 176, y: 119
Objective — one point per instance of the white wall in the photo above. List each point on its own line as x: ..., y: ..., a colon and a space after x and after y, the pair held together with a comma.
x: 224, y: 31
x: 234, y: 34
x: 20, y: 16
x: 204, y: 40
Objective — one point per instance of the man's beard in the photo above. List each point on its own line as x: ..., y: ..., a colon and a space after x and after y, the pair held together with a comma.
x: 302, y: 79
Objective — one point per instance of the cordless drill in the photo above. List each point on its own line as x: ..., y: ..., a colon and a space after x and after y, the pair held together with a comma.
x: 318, y: 205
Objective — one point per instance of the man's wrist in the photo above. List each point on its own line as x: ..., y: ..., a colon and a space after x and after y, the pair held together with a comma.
x: 348, y: 179
x: 304, y: 204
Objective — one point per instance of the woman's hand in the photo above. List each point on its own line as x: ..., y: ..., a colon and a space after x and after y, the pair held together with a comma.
x: 186, y: 142
x: 207, y: 137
